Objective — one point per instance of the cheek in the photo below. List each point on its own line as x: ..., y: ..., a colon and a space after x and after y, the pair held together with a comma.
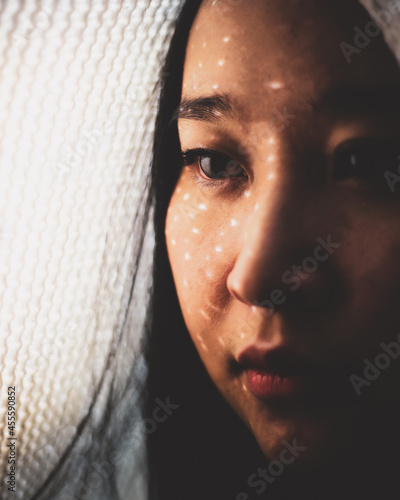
x: 201, y: 252
x: 373, y: 278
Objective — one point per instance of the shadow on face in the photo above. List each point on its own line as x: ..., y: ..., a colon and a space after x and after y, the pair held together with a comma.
x: 282, y: 231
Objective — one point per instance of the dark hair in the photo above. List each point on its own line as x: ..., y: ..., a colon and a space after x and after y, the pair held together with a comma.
x: 199, y: 450
x: 202, y: 451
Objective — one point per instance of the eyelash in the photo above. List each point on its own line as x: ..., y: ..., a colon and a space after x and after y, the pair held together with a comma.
x: 372, y: 157
x: 374, y: 154
x: 193, y: 156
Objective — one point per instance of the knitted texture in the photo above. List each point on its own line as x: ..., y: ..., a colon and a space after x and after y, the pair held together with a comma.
x: 77, y: 100
x: 387, y: 14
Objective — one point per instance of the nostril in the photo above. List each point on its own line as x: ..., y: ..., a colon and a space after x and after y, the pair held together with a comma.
x: 238, y: 290
x: 275, y: 270
x: 235, y: 290
x: 251, y: 297
x: 311, y: 292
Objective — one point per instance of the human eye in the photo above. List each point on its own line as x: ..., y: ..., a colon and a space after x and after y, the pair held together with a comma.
x: 213, y: 166
x: 365, y: 159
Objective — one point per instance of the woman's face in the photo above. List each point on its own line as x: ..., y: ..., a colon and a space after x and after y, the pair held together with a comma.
x: 283, y: 229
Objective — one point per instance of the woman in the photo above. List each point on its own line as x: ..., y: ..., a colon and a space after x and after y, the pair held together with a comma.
x: 277, y: 215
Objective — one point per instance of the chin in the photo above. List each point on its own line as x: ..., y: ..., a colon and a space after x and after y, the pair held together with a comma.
x: 305, y: 443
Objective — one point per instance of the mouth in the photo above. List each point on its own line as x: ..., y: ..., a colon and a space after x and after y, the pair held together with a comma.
x: 266, y: 385
x: 276, y: 373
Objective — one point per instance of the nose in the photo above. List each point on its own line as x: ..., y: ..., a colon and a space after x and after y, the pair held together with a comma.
x: 285, y: 253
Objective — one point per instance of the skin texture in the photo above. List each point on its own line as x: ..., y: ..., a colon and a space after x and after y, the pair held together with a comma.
x: 229, y: 242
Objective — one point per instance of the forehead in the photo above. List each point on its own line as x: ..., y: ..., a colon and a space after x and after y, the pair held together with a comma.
x: 286, y: 50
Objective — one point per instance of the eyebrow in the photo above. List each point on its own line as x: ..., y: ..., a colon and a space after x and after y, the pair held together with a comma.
x: 346, y: 100
x: 205, y: 108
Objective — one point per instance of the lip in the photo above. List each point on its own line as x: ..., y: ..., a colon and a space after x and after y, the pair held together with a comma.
x: 265, y: 385
x: 273, y: 372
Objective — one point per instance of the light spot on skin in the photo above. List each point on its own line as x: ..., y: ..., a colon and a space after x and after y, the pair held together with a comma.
x: 275, y: 85
x: 186, y: 196
x: 218, y: 249
x: 233, y: 223
x: 271, y: 158
x: 203, y: 345
x: 212, y: 306
x: 221, y: 233
x: 226, y: 39
x: 221, y: 62
x: 242, y: 336
x: 245, y: 388
x: 204, y: 44
x: 173, y: 242
x: 200, y: 65
x: 185, y: 283
x: 271, y: 176
x: 178, y: 190
x: 187, y: 256
x: 205, y: 315
x: 209, y: 275
x: 221, y: 341
x: 256, y: 207
x: 247, y: 194
x: 215, y: 86
x: 175, y: 218
x: 202, y: 206
x: 169, y: 209
x: 191, y: 216
x: 195, y: 230
x: 271, y: 141
x: 194, y: 87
